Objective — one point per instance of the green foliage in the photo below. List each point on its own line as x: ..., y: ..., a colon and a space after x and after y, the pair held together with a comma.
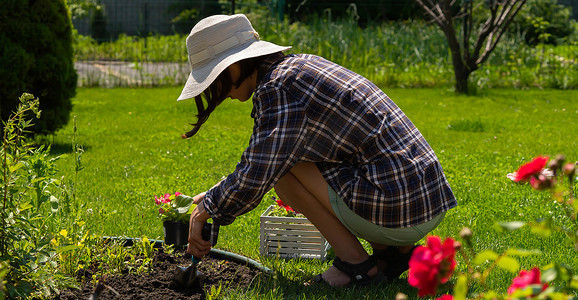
x: 98, y: 25
x: 27, y: 189
x: 130, y: 48
x: 558, y: 280
x: 44, y: 240
x: 82, y: 8
x: 543, y: 21
x: 215, y: 292
x: 402, y: 54
x: 36, y: 56
x: 279, y: 211
x: 3, y: 271
x: 175, y: 207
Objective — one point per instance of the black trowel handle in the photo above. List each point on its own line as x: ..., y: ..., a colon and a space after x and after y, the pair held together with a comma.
x: 206, y: 234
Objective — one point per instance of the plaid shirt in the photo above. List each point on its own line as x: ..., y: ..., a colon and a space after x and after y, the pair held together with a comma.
x: 309, y: 109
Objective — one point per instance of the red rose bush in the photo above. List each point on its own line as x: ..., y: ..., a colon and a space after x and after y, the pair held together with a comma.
x: 432, y: 266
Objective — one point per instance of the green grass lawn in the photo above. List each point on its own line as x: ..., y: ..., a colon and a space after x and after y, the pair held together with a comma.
x: 133, y: 151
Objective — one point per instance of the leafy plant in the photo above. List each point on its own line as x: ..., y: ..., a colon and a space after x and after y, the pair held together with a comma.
x: 544, y: 21
x: 3, y: 271
x: 26, y: 188
x: 215, y: 292
x: 177, y: 207
x: 432, y: 265
x: 284, y: 210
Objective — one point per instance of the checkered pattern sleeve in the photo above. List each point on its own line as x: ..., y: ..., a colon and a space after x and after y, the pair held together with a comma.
x: 274, y: 148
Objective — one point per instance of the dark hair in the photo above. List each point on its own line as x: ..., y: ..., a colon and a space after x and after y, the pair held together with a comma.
x: 217, y: 92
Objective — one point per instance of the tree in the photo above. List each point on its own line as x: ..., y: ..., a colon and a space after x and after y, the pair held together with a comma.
x: 470, y: 54
x: 36, y: 57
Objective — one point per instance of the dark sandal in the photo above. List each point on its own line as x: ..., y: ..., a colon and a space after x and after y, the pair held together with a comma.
x: 357, y: 272
x: 395, y: 262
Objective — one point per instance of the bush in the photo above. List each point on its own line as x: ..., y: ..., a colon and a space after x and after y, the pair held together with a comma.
x: 36, y: 56
x: 543, y: 21
x: 26, y: 256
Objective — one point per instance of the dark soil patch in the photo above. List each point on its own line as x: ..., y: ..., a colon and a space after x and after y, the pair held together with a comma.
x: 158, y: 283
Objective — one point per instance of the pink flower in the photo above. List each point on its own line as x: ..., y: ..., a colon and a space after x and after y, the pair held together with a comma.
x: 177, y: 194
x: 542, y: 182
x: 432, y: 265
x: 526, y: 278
x: 533, y: 168
x: 166, y: 198
x: 446, y: 297
x: 161, y: 211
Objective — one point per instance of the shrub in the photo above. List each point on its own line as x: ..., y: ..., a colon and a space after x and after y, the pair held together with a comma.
x: 36, y: 56
x: 543, y: 21
x: 26, y: 255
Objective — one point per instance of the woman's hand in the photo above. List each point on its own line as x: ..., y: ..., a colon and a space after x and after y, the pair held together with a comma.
x: 197, y: 246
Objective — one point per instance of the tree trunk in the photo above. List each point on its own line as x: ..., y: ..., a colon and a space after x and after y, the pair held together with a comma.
x: 461, y: 70
x: 469, y: 56
x: 462, y: 77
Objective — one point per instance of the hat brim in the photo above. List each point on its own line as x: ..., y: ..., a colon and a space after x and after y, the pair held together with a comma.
x: 200, y: 78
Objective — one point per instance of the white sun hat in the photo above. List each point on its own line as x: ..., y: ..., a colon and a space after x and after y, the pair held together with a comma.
x: 215, y: 43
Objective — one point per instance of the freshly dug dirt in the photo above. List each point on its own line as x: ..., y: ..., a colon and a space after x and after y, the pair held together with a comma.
x: 158, y: 283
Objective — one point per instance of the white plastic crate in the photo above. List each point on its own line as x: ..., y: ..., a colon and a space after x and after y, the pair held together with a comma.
x: 290, y: 237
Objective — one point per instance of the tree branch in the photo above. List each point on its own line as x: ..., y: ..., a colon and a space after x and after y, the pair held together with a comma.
x: 501, y: 27
x: 429, y: 9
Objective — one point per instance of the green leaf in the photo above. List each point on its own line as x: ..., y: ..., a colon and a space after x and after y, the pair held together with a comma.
x: 66, y: 248
x: 485, y: 256
x: 14, y: 168
x: 54, y: 203
x: 549, y: 274
x: 541, y: 230
x: 509, y: 264
x: 574, y: 282
x: 511, y: 226
x: 522, y: 252
x: 42, y: 258
x: 558, y: 296
x: 182, y: 203
x: 491, y: 295
x: 24, y: 206
x: 461, y: 288
x: 43, y: 198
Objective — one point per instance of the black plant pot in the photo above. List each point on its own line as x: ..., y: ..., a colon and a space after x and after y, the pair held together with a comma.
x: 176, y: 233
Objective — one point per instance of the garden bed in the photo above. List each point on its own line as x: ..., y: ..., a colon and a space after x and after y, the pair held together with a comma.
x: 158, y: 283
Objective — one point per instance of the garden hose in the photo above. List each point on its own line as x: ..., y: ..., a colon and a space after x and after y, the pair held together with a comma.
x: 216, y: 253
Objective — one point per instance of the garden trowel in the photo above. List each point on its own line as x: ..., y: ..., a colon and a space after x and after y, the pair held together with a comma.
x: 189, y: 277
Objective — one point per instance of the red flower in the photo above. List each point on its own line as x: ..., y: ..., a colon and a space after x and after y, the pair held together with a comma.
x: 446, y: 297
x: 533, y: 168
x: 431, y: 265
x: 165, y: 199
x: 526, y: 278
x: 285, y: 206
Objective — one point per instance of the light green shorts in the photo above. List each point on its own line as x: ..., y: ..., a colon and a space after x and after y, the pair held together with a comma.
x: 366, y: 230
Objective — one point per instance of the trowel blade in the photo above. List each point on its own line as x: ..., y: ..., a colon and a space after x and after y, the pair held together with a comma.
x: 188, y: 277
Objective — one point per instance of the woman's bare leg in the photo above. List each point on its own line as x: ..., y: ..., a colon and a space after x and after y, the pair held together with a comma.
x: 305, y: 190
